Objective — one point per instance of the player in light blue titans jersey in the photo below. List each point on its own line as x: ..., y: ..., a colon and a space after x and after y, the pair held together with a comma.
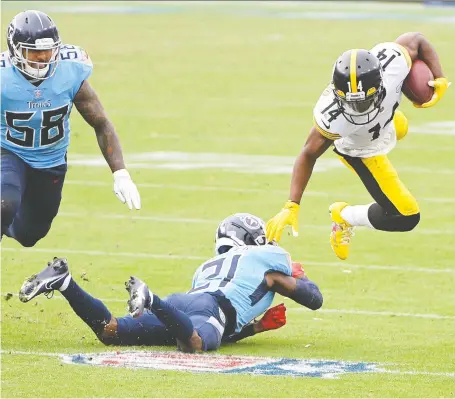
x: 230, y: 290
x: 240, y: 276
x: 41, y: 79
x: 239, y: 271
x: 238, y: 284
x: 35, y: 122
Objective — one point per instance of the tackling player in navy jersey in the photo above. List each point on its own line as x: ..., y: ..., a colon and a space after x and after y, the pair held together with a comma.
x: 41, y: 79
x: 228, y: 292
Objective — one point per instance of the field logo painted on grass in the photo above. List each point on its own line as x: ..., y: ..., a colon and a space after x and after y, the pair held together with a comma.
x: 222, y: 364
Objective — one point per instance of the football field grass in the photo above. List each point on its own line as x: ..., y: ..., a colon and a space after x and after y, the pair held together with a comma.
x: 212, y: 103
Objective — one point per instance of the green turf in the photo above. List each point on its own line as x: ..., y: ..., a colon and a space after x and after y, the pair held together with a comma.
x: 204, y: 79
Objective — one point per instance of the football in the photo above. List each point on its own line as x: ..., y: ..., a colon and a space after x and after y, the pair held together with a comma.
x: 415, y: 86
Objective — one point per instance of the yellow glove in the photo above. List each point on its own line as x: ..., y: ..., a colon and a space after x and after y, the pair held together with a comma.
x: 440, y: 86
x: 289, y: 215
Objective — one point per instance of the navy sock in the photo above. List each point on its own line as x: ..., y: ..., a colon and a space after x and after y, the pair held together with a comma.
x: 177, y: 322
x: 91, y: 310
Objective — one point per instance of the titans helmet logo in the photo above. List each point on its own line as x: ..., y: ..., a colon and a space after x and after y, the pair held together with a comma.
x: 251, y: 222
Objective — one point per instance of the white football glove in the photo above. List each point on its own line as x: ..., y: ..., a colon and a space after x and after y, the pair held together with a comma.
x: 125, y: 189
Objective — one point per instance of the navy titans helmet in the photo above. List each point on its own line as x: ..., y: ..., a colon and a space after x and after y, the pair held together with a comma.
x: 239, y: 230
x: 33, y: 30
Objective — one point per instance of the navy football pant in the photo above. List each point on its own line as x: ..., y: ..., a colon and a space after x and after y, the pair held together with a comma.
x: 144, y: 330
x: 30, y: 198
x: 206, y: 315
x: 202, y: 309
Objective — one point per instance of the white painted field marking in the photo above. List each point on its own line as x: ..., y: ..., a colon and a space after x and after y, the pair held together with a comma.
x: 418, y: 169
x: 377, y: 313
x: 379, y: 370
x: 102, y: 253
x: 267, y: 191
x: 29, y: 353
x: 431, y: 128
x: 203, y: 258
x: 238, y: 163
x: 79, y: 215
x: 323, y: 310
x: 164, y: 219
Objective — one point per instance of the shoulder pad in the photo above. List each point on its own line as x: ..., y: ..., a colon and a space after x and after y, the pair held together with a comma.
x: 326, y: 113
x: 391, y: 52
x: 77, y: 54
x: 395, y: 61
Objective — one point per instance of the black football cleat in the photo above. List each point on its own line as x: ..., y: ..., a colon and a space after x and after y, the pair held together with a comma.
x: 140, y: 296
x: 46, y: 281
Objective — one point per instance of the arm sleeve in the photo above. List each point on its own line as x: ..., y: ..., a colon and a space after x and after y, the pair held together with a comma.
x: 307, y: 294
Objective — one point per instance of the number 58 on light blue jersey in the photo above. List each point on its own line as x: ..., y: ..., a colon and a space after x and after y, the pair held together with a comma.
x: 35, y: 119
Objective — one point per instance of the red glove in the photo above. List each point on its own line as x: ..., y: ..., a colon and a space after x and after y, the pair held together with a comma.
x: 274, y: 318
x: 297, y: 270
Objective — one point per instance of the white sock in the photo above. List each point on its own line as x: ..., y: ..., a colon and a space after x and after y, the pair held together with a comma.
x: 357, y: 215
x: 65, y: 284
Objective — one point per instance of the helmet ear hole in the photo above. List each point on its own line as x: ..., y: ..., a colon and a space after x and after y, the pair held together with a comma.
x: 223, y: 249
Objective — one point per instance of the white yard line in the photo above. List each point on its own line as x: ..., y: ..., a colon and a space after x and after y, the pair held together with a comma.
x: 30, y: 353
x: 164, y: 219
x: 236, y: 163
x: 103, y: 253
x: 284, y: 192
x: 79, y: 215
x: 323, y: 310
x: 377, y: 313
x: 341, y: 266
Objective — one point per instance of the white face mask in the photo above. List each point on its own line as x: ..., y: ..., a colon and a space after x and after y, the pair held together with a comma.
x: 38, y: 73
x: 22, y: 62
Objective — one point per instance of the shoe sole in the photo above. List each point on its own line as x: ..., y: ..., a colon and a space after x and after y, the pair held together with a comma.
x: 38, y: 285
x: 136, y: 303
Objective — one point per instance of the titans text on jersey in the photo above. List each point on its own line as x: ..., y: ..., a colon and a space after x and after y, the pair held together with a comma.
x: 41, y: 80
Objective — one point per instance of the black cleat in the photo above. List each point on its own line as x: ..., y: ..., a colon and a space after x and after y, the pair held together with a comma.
x: 46, y: 281
x: 140, y: 296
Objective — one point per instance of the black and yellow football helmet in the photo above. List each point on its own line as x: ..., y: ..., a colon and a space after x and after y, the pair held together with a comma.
x: 358, y: 86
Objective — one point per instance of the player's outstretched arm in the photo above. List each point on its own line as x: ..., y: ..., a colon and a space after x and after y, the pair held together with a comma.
x: 91, y: 109
x: 314, y: 147
x: 301, y: 290
x: 419, y: 47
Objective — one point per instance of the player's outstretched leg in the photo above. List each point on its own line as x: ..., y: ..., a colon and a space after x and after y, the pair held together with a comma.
x: 177, y: 322
x: 342, y: 231
x: 13, y: 183
x: 56, y: 276
x: 395, y: 209
x: 39, y: 205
